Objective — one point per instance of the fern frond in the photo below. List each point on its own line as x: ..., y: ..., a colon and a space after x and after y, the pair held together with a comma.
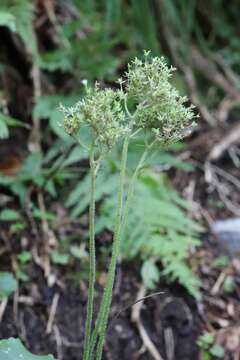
x: 157, y: 225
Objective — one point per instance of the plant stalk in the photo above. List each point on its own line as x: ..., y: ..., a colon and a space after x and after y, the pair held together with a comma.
x: 92, y: 256
x: 130, y: 190
x: 101, y: 325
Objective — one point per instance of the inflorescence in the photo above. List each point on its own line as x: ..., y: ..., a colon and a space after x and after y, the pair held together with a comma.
x: 158, y: 107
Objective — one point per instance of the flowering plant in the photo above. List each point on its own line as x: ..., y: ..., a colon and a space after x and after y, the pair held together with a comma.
x: 145, y: 101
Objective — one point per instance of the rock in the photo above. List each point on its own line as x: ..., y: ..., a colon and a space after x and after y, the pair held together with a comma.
x: 228, y: 235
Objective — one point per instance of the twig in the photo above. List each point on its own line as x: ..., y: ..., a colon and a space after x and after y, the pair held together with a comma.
x: 169, y: 343
x: 229, y: 73
x: 225, y: 106
x: 189, y: 77
x: 58, y: 342
x: 219, y: 282
x: 136, y: 312
x: 48, y: 235
x: 224, y: 190
x: 3, y: 306
x: 231, y: 138
x: 133, y: 304
x: 210, y: 71
x: 52, y: 313
x: 35, y: 143
x: 232, y: 179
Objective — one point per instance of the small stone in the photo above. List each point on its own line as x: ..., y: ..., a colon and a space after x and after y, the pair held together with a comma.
x: 228, y: 235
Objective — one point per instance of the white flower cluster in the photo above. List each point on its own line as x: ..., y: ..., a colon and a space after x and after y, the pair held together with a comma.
x: 101, y: 110
x: 158, y: 107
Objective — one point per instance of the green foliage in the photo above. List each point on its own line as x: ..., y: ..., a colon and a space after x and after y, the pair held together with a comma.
x: 163, y: 230
x: 13, y: 349
x: 222, y: 261
x: 47, y: 108
x: 9, y: 215
x: 146, y: 24
x: 7, y: 19
x: 229, y: 284
x: 49, y: 173
x: 217, y: 351
x: 211, y: 28
x: 8, y: 285
x: 210, y: 349
x: 24, y: 257
x: 61, y: 259
x: 106, y: 30
x: 150, y: 274
x: 6, y: 122
x: 19, y: 14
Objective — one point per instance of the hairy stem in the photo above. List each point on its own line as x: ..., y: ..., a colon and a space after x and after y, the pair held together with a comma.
x: 117, y: 241
x: 101, y: 325
x: 92, y: 257
x: 130, y: 190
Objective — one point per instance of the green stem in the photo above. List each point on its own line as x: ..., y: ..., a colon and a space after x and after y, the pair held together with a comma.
x: 132, y: 183
x: 130, y: 191
x: 101, y: 324
x: 117, y: 235
x: 92, y: 256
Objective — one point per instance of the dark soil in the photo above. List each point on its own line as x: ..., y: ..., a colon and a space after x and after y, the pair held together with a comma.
x: 27, y: 316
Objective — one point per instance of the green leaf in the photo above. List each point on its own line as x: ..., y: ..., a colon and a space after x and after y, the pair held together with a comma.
x: 217, y: 351
x: 221, y: 261
x: 24, y: 257
x: 205, y: 340
x: 229, y: 284
x: 39, y: 214
x: 32, y: 165
x: 150, y: 274
x: 78, y: 252
x: 61, y: 259
x: 17, y: 227
x: 47, y: 108
x: 22, y: 275
x: 13, y: 349
x: 9, y: 215
x: 8, y: 285
x: 10, y: 121
x: 7, y: 19
x: 3, y: 129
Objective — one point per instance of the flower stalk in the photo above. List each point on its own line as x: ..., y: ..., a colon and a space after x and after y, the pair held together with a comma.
x: 92, y: 255
x: 107, y: 295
